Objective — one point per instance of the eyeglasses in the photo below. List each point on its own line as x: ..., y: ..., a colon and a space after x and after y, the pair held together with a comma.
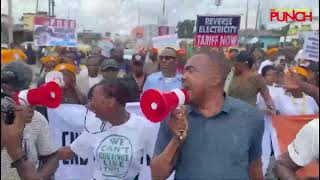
x: 166, y: 57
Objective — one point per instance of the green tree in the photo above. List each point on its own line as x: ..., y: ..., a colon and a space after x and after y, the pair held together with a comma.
x: 185, y: 29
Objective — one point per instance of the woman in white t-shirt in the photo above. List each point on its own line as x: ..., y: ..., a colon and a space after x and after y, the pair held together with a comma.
x: 118, y: 151
x: 296, y: 102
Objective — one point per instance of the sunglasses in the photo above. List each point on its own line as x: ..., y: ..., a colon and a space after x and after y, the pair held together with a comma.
x: 166, y: 57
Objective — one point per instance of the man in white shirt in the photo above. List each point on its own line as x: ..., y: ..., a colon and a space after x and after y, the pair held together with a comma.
x: 302, y: 150
x: 90, y: 75
x: 36, y: 144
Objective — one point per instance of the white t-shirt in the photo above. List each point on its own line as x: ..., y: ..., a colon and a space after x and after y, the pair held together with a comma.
x: 305, y: 147
x: 287, y: 106
x: 118, y: 151
x: 274, y: 92
x: 263, y: 64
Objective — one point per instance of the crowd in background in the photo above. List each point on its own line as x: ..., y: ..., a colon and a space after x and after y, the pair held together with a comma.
x: 259, y: 78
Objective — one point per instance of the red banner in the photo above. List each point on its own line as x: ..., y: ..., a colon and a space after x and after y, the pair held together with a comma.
x: 53, y: 22
x: 287, y: 127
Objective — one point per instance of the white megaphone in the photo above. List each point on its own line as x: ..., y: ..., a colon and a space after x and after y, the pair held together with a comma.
x: 156, y: 105
x: 48, y: 95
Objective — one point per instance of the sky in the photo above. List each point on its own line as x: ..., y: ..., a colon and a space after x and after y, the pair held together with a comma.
x: 120, y: 16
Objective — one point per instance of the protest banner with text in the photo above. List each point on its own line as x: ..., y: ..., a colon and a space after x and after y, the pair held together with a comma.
x: 311, y: 46
x: 54, y: 32
x: 217, y: 31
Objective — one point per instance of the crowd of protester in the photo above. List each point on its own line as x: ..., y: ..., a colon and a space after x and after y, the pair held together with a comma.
x: 228, y: 131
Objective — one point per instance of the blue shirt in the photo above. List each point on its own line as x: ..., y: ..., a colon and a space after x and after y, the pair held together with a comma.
x: 218, y: 147
x: 159, y: 82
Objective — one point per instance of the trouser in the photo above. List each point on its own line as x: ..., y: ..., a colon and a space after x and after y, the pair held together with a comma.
x: 269, y: 143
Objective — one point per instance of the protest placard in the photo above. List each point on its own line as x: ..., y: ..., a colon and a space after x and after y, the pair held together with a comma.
x: 217, y: 31
x: 311, y: 46
x: 106, y: 44
x: 54, y: 32
x: 161, y: 42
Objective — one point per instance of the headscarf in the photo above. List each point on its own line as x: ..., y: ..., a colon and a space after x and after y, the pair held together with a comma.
x: 271, y: 52
x: 65, y: 66
x: 10, y: 55
x: 49, y: 58
x: 299, y: 70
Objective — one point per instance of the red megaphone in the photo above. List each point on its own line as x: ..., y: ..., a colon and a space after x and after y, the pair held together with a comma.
x: 48, y: 95
x: 156, y: 105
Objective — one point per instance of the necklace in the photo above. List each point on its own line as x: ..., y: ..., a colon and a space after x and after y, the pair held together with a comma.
x: 303, y: 109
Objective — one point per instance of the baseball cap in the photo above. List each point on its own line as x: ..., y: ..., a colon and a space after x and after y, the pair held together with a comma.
x: 244, y: 57
x: 109, y: 63
x: 168, y: 52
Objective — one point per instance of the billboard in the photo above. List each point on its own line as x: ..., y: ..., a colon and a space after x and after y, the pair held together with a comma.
x: 54, y: 32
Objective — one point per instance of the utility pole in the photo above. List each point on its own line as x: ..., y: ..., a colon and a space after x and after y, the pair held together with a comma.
x: 247, y: 14
x: 10, y: 27
x: 53, y: 4
x: 163, y: 7
x: 257, y: 17
x: 139, y: 12
x: 49, y: 7
x: 165, y: 18
x: 10, y: 8
x: 37, y: 6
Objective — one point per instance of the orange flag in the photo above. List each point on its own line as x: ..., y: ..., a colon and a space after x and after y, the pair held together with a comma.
x: 287, y: 127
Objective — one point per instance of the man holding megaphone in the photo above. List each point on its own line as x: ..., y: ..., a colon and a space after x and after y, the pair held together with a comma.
x: 25, y: 133
x: 215, y: 136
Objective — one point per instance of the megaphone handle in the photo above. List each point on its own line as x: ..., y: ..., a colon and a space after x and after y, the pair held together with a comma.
x: 181, y: 134
x: 181, y: 131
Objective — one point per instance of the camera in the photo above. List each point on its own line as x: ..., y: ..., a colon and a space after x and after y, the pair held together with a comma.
x: 8, y: 107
